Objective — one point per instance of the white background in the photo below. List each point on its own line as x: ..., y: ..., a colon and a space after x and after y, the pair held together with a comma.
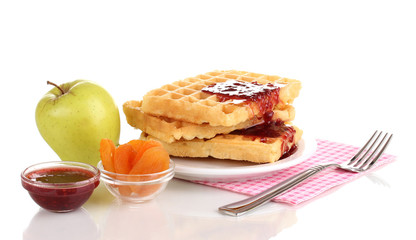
x: 356, y: 61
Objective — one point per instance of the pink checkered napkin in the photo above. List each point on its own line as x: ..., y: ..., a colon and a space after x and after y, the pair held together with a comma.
x: 327, y: 151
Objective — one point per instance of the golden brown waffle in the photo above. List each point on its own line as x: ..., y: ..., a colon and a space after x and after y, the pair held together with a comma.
x: 169, y: 130
x: 183, y: 100
x: 229, y: 146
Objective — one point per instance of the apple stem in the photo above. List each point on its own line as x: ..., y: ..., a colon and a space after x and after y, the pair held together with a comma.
x: 54, y: 84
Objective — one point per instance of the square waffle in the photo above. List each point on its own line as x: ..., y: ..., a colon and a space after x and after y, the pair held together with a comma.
x: 170, y: 130
x: 235, y: 146
x: 184, y: 101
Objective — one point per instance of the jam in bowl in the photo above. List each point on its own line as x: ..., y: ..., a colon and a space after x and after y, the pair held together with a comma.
x: 60, y: 186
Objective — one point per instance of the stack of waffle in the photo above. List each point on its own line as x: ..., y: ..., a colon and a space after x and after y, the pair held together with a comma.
x: 201, y: 117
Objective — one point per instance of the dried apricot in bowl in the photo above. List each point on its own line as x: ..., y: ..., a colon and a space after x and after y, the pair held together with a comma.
x: 141, y: 169
x: 152, y: 184
x: 117, y: 159
x: 154, y: 160
x: 123, y: 158
x: 141, y: 146
x: 107, y: 149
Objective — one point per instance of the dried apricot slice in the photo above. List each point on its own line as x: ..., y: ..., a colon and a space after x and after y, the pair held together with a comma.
x: 137, y: 144
x: 124, y: 190
x: 146, y: 190
x: 123, y: 158
x: 107, y: 149
x: 154, y: 160
x: 143, y: 148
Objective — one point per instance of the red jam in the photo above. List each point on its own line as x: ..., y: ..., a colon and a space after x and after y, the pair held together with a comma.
x: 61, y: 188
x: 262, y: 96
x: 60, y: 175
x: 267, y: 132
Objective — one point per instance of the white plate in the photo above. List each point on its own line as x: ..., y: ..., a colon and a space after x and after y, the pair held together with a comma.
x: 215, y: 170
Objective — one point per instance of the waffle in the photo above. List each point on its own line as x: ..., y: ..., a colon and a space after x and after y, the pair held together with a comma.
x: 169, y: 130
x: 184, y: 101
x: 231, y: 146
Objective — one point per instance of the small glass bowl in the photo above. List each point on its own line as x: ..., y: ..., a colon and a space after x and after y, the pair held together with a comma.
x: 60, y: 186
x: 136, y: 188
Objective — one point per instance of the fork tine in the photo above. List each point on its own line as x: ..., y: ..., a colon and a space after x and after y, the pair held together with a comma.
x: 375, y: 159
x: 367, y: 159
x: 353, y: 159
x: 368, y: 151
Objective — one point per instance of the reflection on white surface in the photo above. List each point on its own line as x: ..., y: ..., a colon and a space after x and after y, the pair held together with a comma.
x: 189, y: 211
x: 193, y: 214
x: 135, y: 221
x: 253, y: 227
x: 377, y: 180
x: 72, y: 225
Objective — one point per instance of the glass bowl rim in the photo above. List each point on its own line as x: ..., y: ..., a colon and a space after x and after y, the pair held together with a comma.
x: 52, y: 164
x: 166, y: 175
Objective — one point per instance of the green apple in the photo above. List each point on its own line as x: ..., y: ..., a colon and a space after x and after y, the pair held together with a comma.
x: 73, y: 118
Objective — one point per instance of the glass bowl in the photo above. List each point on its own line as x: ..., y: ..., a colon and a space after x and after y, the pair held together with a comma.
x: 60, y: 186
x: 136, y: 188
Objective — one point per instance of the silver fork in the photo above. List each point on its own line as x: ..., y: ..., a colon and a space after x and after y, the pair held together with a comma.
x: 358, y: 163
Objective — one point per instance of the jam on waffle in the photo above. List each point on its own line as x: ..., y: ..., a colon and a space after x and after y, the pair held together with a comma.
x: 262, y: 96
